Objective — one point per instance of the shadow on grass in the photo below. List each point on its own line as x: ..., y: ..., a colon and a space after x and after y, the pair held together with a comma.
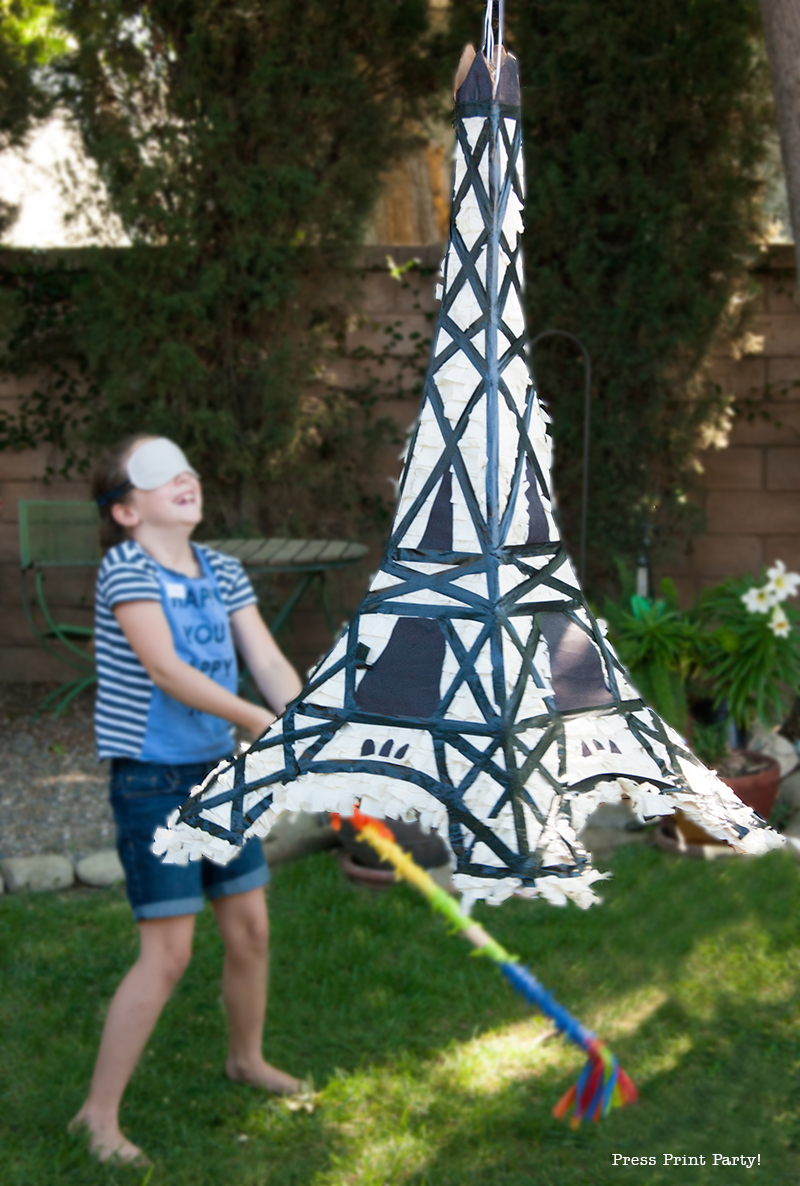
x: 690, y: 969
x: 726, y: 1085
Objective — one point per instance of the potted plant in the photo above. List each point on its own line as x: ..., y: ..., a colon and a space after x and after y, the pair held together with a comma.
x: 747, y: 663
x: 657, y: 642
x: 716, y: 670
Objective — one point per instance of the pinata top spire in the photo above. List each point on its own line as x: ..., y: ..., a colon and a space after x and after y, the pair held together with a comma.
x: 473, y: 689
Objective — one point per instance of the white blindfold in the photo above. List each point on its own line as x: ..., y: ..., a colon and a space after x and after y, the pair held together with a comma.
x: 156, y: 463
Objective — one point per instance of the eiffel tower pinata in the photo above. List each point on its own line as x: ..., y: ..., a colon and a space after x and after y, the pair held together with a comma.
x: 473, y: 690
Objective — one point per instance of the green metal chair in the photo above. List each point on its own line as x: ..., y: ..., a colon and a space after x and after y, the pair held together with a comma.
x: 58, y: 535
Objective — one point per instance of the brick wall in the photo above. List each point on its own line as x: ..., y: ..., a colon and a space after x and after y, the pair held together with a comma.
x: 403, y: 306
x: 20, y: 477
x: 751, y: 489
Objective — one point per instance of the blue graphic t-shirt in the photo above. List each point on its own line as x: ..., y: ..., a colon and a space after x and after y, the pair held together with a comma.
x: 134, y: 718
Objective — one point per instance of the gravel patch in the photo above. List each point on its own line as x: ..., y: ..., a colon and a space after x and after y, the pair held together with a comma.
x: 53, y: 790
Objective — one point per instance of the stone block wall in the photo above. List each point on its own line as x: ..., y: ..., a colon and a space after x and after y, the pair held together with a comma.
x: 71, y: 592
x: 750, y: 490
x: 388, y: 333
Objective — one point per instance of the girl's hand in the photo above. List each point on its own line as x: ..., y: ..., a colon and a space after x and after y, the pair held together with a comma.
x: 259, y: 720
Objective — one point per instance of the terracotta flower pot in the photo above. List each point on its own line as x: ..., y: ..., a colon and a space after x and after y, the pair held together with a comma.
x: 682, y: 836
x: 679, y: 835
x: 374, y: 879
x: 362, y: 865
x: 757, y: 790
x: 427, y: 848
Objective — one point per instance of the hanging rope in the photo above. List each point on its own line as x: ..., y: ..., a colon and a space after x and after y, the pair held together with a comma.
x: 493, y: 47
x: 488, y: 30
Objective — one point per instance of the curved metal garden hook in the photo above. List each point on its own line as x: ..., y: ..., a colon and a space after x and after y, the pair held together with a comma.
x: 587, y: 408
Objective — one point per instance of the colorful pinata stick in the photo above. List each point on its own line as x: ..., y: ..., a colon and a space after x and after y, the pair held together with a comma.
x: 603, y: 1084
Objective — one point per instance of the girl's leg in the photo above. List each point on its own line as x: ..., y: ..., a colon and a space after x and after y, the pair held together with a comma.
x: 244, y: 926
x: 165, y: 950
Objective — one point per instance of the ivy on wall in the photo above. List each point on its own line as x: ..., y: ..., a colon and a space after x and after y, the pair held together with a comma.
x: 242, y: 147
x: 323, y: 480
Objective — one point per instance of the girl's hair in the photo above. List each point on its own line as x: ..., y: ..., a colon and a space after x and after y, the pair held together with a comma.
x: 110, y: 474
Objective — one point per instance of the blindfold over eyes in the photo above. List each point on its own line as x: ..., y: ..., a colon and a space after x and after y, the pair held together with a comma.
x: 150, y: 466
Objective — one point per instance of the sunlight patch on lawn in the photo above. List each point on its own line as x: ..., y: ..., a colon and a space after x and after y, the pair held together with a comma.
x: 623, y: 1017
x: 660, y: 1060
x: 379, y: 1121
x: 388, y: 1157
x: 485, y: 1064
x: 387, y: 1123
x: 737, y: 961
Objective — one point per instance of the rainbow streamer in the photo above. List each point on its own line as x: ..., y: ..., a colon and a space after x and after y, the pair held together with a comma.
x: 603, y: 1084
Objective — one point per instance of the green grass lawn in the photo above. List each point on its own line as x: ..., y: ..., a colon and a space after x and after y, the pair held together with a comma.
x: 432, y: 1073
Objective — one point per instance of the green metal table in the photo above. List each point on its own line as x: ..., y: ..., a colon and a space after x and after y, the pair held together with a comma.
x: 310, y: 559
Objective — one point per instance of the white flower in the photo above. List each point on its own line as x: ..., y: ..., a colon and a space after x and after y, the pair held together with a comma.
x: 779, y: 623
x: 782, y: 584
x: 759, y: 601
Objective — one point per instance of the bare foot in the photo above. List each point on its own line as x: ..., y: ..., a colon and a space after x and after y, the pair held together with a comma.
x: 106, y: 1140
x: 261, y: 1074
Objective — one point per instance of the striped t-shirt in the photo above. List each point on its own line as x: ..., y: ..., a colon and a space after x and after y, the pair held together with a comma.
x: 124, y: 689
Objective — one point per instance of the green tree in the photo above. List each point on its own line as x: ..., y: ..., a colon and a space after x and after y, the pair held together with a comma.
x: 27, y: 41
x: 782, y: 37
x: 645, y: 126
x: 241, y: 147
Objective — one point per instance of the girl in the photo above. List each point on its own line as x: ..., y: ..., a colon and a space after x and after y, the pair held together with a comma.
x: 169, y: 614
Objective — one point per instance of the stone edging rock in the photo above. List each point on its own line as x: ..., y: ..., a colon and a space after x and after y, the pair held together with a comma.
x: 293, y: 837
x: 297, y: 834
x: 50, y: 871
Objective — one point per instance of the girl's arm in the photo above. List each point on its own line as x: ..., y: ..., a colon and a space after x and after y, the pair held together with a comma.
x: 274, y: 675
x: 146, y: 628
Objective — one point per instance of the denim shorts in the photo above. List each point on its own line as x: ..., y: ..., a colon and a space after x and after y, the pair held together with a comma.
x: 143, y: 796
